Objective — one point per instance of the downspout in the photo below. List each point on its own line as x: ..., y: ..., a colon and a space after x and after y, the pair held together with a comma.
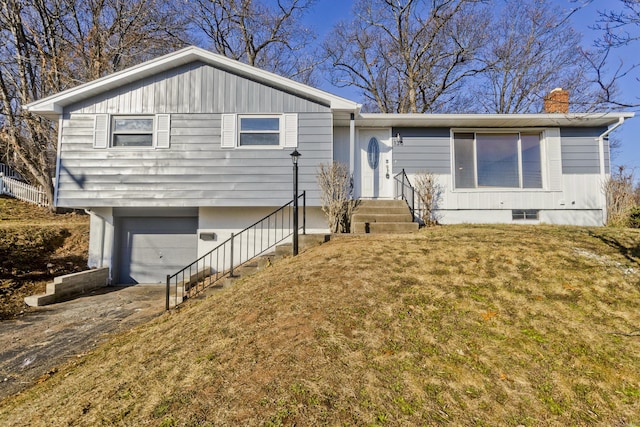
x: 603, y: 176
x: 352, y: 144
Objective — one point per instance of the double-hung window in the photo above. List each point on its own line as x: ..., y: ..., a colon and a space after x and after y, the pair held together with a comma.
x: 132, y: 131
x: 257, y: 131
x: 497, y: 160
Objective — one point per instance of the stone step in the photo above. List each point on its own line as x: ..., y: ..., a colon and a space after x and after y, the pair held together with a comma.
x: 384, y: 227
x: 387, y: 203
x: 376, y: 217
x: 373, y: 210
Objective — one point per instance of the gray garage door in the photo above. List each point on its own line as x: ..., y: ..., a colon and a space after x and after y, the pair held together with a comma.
x: 151, y: 248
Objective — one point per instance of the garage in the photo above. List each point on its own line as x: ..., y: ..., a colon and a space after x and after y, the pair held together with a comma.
x: 151, y: 248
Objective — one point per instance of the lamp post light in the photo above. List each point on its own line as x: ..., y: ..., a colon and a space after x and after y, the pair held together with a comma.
x: 294, y: 158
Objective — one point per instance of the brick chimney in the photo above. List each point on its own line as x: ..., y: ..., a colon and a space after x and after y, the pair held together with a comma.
x: 557, y: 101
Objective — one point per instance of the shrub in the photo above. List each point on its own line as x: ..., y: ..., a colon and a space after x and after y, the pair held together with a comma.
x: 620, y: 195
x: 336, y: 188
x: 430, y: 194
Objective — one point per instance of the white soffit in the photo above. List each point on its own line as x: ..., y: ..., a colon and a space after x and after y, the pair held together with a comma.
x: 52, y: 106
x: 490, y: 120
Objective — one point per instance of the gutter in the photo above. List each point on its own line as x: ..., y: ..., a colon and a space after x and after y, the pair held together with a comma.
x: 601, y: 144
x: 602, y: 165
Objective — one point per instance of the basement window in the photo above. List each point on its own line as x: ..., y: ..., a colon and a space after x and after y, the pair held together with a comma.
x: 524, y: 214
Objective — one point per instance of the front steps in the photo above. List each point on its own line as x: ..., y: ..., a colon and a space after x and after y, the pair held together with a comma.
x: 382, y: 216
x: 250, y: 267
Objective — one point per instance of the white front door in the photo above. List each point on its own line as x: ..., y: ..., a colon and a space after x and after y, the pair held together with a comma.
x: 374, y: 178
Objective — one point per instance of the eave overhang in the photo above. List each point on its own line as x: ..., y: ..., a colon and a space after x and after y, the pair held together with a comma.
x: 53, y: 106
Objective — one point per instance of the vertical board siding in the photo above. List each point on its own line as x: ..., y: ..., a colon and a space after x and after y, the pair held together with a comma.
x: 580, y: 151
x: 422, y: 149
x: 196, y: 88
x: 193, y: 171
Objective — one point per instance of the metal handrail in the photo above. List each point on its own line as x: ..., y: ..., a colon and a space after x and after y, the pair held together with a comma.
x: 405, y: 191
x: 241, y: 247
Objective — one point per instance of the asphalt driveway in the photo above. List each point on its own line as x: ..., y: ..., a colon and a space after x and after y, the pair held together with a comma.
x: 35, y: 344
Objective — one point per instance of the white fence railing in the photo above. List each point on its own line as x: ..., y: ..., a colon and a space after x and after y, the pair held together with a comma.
x: 22, y: 191
x: 6, y: 170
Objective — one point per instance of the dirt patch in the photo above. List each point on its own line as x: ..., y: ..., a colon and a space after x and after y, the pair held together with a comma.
x: 36, y: 246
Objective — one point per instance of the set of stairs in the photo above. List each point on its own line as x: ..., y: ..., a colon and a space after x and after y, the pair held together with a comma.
x: 203, y: 278
x: 382, y: 216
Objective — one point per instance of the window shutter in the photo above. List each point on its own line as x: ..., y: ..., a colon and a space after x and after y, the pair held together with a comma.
x: 228, y: 132
x: 101, y: 131
x: 554, y: 158
x: 163, y: 131
x: 290, y: 130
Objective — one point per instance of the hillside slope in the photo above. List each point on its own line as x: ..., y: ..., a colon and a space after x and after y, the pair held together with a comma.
x: 35, y: 246
x: 461, y: 325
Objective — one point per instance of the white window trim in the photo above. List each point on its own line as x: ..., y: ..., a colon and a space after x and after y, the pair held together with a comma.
x: 112, y: 131
x: 543, y: 160
x: 287, y: 132
x: 280, y: 131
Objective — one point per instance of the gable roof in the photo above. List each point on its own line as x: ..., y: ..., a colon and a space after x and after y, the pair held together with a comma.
x: 53, y: 106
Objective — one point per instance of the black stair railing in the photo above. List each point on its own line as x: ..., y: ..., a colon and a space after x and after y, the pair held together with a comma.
x: 405, y: 191
x: 241, y: 247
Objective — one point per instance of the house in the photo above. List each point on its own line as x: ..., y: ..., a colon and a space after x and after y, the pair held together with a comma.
x: 194, y: 144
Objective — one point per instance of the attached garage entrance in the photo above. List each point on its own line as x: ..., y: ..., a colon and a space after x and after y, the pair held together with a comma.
x: 151, y: 248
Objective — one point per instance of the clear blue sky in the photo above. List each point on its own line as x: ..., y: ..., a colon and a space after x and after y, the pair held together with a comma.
x: 328, y: 12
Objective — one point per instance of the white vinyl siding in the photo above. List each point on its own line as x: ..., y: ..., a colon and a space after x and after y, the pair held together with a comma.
x: 195, y: 171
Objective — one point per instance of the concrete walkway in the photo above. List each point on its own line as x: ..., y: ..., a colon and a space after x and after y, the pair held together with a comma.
x: 35, y: 344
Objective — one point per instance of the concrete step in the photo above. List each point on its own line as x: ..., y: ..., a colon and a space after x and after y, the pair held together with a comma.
x: 384, y: 210
x: 266, y: 260
x: 376, y: 217
x: 382, y: 216
x: 384, y: 227
x: 379, y: 203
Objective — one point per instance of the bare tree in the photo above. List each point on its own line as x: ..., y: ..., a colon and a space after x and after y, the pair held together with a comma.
x: 49, y: 45
x: 620, y: 28
x: 104, y: 36
x: 407, y: 55
x: 266, y: 35
x: 532, y: 48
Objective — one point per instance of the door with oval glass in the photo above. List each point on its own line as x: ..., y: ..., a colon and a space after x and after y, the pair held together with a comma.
x: 374, y: 179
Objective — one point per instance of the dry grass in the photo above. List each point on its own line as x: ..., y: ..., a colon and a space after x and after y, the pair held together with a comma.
x: 35, y: 246
x: 460, y: 325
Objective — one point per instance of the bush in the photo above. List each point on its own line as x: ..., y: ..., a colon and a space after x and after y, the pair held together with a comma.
x: 430, y: 193
x: 620, y: 195
x: 336, y: 188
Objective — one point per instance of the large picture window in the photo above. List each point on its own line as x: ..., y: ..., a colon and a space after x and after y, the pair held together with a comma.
x: 497, y: 160
x: 132, y: 131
